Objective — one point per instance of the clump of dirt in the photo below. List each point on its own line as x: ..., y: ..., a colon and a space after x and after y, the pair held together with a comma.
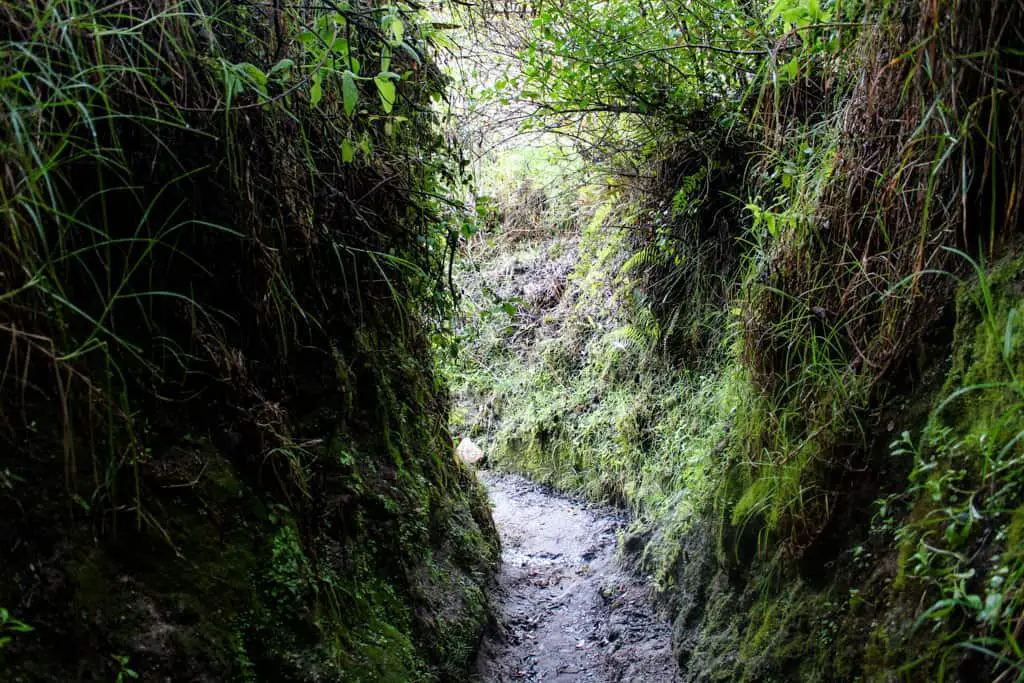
x: 568, y: 612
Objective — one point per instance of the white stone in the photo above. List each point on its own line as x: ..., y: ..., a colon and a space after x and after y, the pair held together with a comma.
x: 469, y: 452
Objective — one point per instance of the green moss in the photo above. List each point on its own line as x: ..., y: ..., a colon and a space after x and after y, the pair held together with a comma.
x: 246, y: 475
x: 1015, y: 530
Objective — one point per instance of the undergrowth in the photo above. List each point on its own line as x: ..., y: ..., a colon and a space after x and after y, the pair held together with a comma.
x: 786, y: 335
x: 227, y: 235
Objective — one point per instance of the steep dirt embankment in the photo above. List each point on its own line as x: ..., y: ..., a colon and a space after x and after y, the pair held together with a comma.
x: 805, y: 367
x: 223, y: 448
x: 568, y: 612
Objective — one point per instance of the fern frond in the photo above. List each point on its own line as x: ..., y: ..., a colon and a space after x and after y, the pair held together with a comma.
x: 645, y: 259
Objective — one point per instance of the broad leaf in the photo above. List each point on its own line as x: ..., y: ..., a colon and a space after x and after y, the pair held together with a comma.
x: 386, y: 88
x: 282, y: 66
x: 316, y: 91
x: 349, y: 92
x: 397, y: 31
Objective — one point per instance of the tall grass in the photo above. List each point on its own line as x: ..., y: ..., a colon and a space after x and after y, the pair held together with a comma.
x: 145, y: 146
x: 81, y: 233
x: 924, y: 144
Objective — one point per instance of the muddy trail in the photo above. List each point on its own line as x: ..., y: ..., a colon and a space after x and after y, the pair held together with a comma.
x: 567, y: 612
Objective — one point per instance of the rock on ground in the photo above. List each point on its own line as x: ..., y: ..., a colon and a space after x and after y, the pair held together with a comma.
x: 469, y: 452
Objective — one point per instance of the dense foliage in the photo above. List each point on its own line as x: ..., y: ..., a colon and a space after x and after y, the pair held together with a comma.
x: 783, y: 326
x: 765, y: 291
x: 226, y: 244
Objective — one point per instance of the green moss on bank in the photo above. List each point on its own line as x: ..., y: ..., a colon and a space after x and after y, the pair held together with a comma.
x: 812, y: 400
x: 224, y: 452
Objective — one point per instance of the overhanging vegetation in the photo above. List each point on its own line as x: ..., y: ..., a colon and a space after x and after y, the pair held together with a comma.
x: 801, y: 247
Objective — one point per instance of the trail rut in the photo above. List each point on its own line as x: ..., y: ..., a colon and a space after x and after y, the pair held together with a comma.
x: 567, y: 611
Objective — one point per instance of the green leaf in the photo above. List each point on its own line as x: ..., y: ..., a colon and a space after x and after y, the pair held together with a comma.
x: 792, y: 69
x: 348, y: 152
x: 255, y: 76
x: 794, y: 16
x: 397, y: 31
x: 1008, y: 335
x: 412, y: 53
x: 993, y: 606
x: 340, y: 48
x: 316, y: 91
x: 281, y: 66
x: 386, y: 89
x: 349, y: 92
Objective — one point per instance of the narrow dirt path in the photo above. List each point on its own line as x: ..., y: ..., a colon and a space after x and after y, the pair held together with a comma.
x: 568, y: 613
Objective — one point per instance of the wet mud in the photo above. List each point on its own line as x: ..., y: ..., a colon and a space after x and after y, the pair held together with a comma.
x: 567, y: 611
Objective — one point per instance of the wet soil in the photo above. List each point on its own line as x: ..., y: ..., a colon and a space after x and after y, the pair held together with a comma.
x: 568, y: 612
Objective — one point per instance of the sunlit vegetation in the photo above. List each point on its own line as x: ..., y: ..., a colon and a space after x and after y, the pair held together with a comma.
x: 777, y: 316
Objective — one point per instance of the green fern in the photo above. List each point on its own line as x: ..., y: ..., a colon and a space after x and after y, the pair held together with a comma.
x: 647, y: 258
x: 683, y: 201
